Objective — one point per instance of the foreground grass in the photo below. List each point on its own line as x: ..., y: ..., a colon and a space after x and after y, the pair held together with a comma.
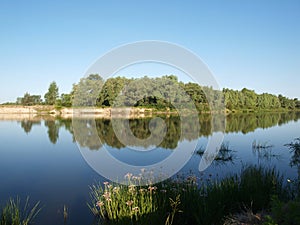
x: 186, y: 201
x: 13, y: 213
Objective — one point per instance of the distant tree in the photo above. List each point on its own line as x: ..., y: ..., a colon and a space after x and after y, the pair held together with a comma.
x: 249, y: 97
x: 52, y: 94
x: 19, y: 101
x: 286, y: 103
x: 86, y: 92
x: 28, y: 99
x: 66, y: 100
x: 197, y: 94
x: 110, y: 90
x: 268, y: 101
x: 297, y: 103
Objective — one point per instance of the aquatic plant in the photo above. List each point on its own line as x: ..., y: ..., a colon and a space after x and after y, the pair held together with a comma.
x: 225, y: 154
x: 15, y: 214
x: 259, y: 145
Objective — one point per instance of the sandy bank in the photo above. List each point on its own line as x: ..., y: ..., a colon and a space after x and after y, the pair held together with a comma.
x: 29, y: 112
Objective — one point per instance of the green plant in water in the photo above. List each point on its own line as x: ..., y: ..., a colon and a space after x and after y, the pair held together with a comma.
x: 294, y: 148
x: 258, y: 145
x: 14, y: 214
x: 66, y: 214
x: 225, y: 154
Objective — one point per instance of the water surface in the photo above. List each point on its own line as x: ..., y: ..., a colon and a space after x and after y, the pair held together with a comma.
x: 40, y: 157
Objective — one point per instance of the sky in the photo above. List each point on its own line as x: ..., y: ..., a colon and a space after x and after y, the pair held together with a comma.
x: 253, y: 44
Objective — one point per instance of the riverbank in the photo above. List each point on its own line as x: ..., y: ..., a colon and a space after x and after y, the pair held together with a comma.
x: 12, y: 112
x: 17, y: 111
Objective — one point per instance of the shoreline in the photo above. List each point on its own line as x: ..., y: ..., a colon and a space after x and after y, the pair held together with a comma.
x: 29, y: 112
x: 12, y: 112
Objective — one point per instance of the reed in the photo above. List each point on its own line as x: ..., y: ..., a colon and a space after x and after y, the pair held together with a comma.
x: 186, y: 200
x: 259, y: 145
x: 13, y: 213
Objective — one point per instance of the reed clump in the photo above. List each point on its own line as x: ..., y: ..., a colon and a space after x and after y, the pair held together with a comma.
x: 14, y: 213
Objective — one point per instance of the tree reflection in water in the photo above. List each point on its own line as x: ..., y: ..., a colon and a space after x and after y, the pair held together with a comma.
x: 92, y: 130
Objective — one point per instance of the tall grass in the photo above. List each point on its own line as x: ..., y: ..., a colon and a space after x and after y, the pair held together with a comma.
x: 122, y: 204
x: 185, y: 201
x: 13, y: 213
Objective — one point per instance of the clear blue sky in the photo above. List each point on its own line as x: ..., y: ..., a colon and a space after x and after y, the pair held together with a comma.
x: 253, y: 44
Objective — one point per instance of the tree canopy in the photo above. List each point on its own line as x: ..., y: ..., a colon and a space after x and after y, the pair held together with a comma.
x: 52, y: 94
x: 159, y: 93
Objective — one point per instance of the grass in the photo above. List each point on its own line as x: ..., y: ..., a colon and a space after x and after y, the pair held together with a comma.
x: 185, y: 201
x: 264, y: 151
x: 266, y: 154
x: 15, y: 214
x: 294, y: 148
x: 247, y: 216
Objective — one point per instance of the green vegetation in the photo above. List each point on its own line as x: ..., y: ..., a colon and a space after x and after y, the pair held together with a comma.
x: 170, y: 202
x: 86, y: 92
x: 294, y: 148
x: 52, y: 94
x: 259, y: 145
x: 28, y: 99
x: 225, y: 154
x: 15, y: 214
x: 158, y: 93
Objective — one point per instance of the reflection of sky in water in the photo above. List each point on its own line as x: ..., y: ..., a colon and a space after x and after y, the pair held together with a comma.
x: 56, y: 174
x: 139, y: 158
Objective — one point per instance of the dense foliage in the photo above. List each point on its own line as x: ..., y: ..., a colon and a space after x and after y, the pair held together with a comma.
x: 52, y: 94
x: 28, y: 99
x: 159, y: 93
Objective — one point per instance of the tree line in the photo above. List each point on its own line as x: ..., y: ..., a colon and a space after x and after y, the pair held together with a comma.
x: 160, y: 93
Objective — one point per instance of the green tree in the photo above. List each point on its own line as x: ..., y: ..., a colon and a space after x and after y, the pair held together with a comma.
x: 52, y: 94
x: 197, y: 94
x: 28, y: 99
x: 297, y: 103
x: 286, y: 103
x: 66, y: 100
x: 249, y: 98
x: 111, y: 89
x: 86, y: 92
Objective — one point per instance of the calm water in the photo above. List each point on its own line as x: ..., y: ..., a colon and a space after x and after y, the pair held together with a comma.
x: 41, y: 159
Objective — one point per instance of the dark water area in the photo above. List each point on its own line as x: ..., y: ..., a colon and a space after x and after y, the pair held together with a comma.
x: 42, y: 157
